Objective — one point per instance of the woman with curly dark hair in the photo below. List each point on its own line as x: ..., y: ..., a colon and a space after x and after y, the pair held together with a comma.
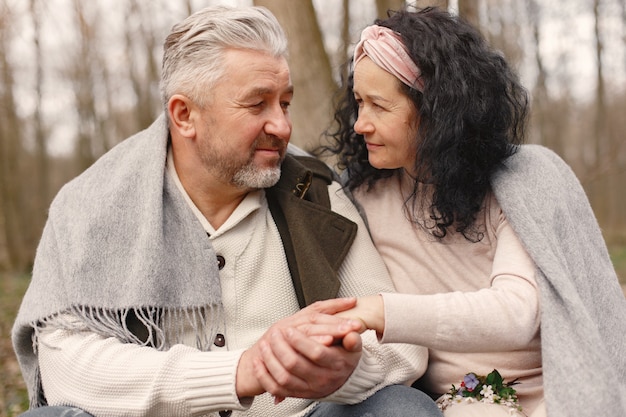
x: 492, y: 245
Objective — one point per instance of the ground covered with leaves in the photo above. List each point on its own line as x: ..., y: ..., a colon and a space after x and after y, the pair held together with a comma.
x: 13, y: 395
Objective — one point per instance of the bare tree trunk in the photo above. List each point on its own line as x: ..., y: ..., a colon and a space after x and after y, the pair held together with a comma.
x: 188, y: 7
x: 10, y: 156
x: 311, y: 72
x: 420, y: 4
x: 599, y: 193
x: 107, y: 125
x: 600, y: 115
x: 82, y: 76
x: 504, y: 14
x: 141, y: 39
x: 615, y: 145
x: 470, y: 11
x: 615, y: 181
x: 345, y: 40
x: 441, y: 4
x: 540, y: 91
x: 623, y: 3
x: 42, y: 158
x: 384, y: 6
x: 621, y: 175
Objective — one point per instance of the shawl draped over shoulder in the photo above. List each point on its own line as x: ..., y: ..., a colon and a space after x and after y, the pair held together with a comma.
x: 120, y: 249
x: 583, y: 309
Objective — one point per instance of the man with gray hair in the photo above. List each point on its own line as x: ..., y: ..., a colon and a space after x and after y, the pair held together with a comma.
x: 195, y: 269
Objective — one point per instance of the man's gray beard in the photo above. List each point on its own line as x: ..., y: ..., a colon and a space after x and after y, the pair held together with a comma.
x: 250, y: 176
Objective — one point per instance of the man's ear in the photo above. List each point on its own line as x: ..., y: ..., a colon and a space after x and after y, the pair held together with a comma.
x: 181, y: 111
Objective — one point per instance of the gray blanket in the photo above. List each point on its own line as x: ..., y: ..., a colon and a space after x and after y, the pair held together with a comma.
x: 120, y: 252
x: 583, y: 320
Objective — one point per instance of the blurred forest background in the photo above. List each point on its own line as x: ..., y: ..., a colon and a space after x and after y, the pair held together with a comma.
x: 79, y: 76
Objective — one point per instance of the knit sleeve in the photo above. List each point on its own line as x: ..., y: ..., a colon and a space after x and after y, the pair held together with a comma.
x: 132, y: 380
x: 364, y: 273
x: 504, y: 316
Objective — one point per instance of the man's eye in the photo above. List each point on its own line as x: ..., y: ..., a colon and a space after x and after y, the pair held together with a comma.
x: 285, y: 105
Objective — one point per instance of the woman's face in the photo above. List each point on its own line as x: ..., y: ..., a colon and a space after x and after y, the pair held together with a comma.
x: 387, y: 117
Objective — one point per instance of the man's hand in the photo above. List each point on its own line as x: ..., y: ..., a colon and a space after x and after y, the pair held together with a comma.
x: 307, y: 355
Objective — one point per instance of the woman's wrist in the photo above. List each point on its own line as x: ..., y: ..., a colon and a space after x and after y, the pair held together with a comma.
x: 373, y: 312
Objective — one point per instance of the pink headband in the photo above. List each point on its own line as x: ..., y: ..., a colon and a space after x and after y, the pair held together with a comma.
x: 386, y: 49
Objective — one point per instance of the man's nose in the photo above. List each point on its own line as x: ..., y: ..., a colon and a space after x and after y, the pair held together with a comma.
x: 279, y: 124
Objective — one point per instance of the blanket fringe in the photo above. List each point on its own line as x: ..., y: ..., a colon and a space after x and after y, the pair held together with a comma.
x: 156, y: 327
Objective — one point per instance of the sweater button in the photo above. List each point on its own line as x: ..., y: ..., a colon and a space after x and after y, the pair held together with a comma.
x: 220, y: 262
x: 220, y: 340
x: 225, y: 413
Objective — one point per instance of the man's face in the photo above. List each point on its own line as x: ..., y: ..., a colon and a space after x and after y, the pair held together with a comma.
x: 246, y: 125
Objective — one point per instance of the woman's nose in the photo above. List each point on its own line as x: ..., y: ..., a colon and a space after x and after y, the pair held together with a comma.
x: 362, y: 124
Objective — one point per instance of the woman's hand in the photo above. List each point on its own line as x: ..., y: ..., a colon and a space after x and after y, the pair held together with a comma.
x: 370, y: 310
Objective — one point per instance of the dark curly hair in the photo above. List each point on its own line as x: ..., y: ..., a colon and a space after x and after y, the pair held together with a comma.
x: 473, y: 112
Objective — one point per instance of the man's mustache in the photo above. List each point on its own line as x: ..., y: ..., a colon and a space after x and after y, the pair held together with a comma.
x: 270, y: 142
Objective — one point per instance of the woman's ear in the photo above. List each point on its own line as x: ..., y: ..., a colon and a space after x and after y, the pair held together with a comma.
x: 180, y: 109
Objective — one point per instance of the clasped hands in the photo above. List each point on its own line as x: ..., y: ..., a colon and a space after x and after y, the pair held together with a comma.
x: 310, y: 354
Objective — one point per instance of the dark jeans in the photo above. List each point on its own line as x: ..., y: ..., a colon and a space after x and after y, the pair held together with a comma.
x: 56, y: 412
x: 392, y: 401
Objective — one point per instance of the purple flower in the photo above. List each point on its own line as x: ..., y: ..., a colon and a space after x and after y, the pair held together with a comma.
x: 470, y: 381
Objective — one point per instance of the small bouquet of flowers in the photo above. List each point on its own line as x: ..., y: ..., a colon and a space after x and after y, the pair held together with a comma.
x: 477, y: 388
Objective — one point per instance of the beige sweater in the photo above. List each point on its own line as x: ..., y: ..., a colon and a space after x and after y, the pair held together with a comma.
x: 474, y: 305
